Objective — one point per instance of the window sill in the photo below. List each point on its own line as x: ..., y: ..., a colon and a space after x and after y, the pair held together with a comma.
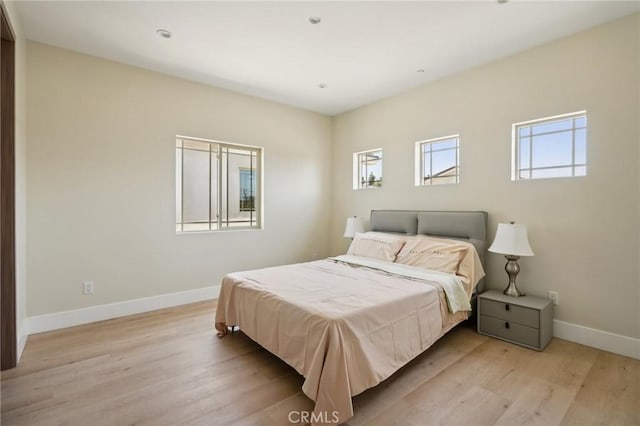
x: 218, y: 231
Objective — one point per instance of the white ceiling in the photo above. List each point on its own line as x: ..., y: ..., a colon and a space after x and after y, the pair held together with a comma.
x: 363, y: 51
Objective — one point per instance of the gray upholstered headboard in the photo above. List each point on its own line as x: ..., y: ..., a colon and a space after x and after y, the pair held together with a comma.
x: 469, y: 226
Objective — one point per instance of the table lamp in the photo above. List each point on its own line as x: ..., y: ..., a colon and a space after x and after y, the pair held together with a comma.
x: 512, y: 241
x: 354, y: 225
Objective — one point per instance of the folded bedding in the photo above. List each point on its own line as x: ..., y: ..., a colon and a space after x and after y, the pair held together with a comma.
x: 451, y: 284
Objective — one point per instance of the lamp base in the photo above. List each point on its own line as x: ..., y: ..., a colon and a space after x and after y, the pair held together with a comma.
x: 512, y: 269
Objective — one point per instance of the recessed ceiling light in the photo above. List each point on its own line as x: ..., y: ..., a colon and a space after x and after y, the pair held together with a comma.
x: 315, y: 19
x: 164, y: 33
x: 322, y: 85
x: 502, y: 1
x: 419, y: 70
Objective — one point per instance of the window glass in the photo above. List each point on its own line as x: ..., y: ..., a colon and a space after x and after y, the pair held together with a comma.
x: 367, y: 171
x: 247, y: 190
x: 551, y: 127
x: 552, y: 150
x: 551, y: 147
x: 437, y: 161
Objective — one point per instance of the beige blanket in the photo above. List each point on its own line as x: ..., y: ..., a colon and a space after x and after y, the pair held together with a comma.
x: 344, y: 328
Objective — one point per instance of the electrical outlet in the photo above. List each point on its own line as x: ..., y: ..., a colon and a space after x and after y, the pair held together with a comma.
x: 553, y: 295
x: 87, y: 287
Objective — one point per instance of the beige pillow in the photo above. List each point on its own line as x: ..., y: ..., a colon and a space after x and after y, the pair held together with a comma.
x: 376, y: 245
x: 432, y: 253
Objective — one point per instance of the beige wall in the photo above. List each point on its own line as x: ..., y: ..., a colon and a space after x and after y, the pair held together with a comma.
x: 101, y: 181
x: 584, y: 231
x: 21, y: 174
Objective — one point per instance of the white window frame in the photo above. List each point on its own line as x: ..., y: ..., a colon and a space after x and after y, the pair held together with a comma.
x: 218, y: 220
x: 516, y: 167
x: 419, y: 160
x: 356, y: 168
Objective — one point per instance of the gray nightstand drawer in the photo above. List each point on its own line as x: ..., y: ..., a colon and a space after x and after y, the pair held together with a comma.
x: 526, y: 320
x: 508, y: 330
x: 510, y: 312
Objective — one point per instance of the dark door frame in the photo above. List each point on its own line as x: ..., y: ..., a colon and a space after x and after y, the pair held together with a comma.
x: 8, y: 350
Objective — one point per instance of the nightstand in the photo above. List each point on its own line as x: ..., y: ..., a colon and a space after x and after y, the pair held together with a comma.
x: 526, y: 321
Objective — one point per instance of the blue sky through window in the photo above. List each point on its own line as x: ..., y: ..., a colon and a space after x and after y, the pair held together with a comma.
x: 439, y: 156
x: 370, y: 164
x: 247, y: 183
x: 554, y: 148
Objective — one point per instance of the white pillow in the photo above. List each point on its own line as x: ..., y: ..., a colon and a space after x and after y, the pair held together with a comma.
x: 376, y: 245
x: 432, y: 253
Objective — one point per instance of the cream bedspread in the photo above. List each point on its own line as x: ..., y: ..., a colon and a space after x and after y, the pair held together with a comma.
x: 344, y: 328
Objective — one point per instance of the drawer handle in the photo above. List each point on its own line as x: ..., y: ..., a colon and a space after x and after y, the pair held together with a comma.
x: 506, y: 307
x: 506, y: 325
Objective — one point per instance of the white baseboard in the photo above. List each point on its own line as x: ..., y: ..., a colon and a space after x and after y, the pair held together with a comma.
x: 23, y: 333
x: 64, y: 319
x: 610, y: 342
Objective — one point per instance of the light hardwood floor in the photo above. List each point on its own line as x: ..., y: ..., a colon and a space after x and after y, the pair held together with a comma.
x: 168, y: 368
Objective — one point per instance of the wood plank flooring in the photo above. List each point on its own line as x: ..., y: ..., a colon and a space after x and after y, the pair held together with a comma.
x: 168, y: 368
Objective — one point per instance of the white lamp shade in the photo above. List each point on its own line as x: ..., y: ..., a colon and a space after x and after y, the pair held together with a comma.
x: 511, y: 238
x: 354, y: 224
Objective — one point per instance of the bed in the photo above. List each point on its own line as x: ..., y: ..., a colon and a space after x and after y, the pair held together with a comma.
x: 346, y: 323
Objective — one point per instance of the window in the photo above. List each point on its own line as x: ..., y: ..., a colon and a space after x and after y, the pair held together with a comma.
x: 217, y: 185
x: 367, y: 169
x: 437, y: 161
x: 550, y: 147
